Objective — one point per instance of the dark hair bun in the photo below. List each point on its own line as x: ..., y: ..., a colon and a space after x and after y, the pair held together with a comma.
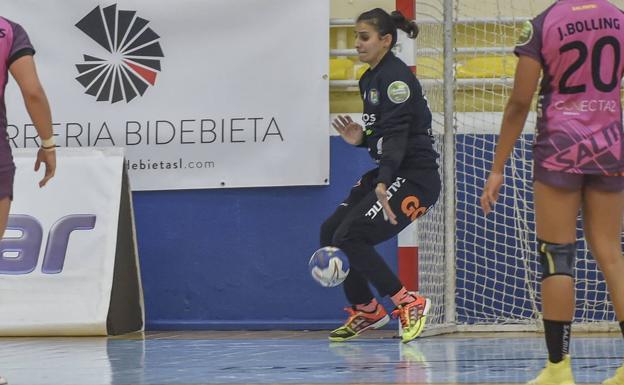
x: 405, y: 25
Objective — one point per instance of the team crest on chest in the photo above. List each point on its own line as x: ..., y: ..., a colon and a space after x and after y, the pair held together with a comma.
x: 373, y: 96
x: 398, y: 92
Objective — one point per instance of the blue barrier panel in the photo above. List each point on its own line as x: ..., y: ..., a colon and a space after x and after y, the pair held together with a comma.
x: 237, y: 258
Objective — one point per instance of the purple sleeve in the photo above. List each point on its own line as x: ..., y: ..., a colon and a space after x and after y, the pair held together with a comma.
x: 21, y: 43
x: 530, y: 40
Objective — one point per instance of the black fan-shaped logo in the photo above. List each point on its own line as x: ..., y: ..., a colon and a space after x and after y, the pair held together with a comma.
x: 132, y: 61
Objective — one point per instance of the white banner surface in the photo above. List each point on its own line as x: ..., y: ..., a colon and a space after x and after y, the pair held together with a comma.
x: 202, y: 94
x: 58, y: 254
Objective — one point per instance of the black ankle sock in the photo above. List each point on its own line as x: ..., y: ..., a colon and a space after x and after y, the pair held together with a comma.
x: 622, y: 327
x: 557, y: 339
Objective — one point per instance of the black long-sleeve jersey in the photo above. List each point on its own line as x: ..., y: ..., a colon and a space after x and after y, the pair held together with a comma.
x: 397, y: 121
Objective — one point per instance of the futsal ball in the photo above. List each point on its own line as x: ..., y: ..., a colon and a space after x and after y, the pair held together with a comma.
x: 329, y: 266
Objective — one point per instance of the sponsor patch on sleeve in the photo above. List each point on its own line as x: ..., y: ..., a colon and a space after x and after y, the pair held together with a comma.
x: 398, y: 92
x: 526, y: 34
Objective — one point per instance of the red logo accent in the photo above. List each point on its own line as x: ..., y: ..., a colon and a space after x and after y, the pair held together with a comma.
x: 148, y: 75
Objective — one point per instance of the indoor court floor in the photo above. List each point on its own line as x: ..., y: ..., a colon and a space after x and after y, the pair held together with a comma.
x: 199, y: 358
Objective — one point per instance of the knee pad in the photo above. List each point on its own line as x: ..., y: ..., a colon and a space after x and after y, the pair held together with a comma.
x: 556, y: 259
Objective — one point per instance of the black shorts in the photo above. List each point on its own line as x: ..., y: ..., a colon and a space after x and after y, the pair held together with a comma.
x: 408, y: 199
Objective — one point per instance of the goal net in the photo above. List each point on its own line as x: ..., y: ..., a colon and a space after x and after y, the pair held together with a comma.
x: 493, y: 278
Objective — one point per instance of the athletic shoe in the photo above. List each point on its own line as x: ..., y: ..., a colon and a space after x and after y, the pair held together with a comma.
x: 358, y: 322
x: 413, y: 316
x: 3, y: 381
x: 555, y: 374
x: 617, y: 379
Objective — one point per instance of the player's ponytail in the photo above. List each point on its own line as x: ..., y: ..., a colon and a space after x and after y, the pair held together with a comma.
x: 385, y: 23
x: 407, y: 26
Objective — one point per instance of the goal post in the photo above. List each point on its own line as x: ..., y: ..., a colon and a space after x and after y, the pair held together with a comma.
x: 482, y: 273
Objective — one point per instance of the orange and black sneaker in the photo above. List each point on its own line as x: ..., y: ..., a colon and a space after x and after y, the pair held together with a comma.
x: 412, y: 316
x: 359, y: 321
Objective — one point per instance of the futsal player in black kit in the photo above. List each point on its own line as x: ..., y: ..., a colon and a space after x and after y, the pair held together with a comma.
x: 403, y: 186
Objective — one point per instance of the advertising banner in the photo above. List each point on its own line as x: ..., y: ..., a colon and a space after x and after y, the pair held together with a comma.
x: 58, y: 253
x: 202, y: 94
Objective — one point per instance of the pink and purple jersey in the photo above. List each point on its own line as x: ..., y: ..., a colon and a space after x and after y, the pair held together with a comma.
x: 579, y: 112
x: 14, y: 43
